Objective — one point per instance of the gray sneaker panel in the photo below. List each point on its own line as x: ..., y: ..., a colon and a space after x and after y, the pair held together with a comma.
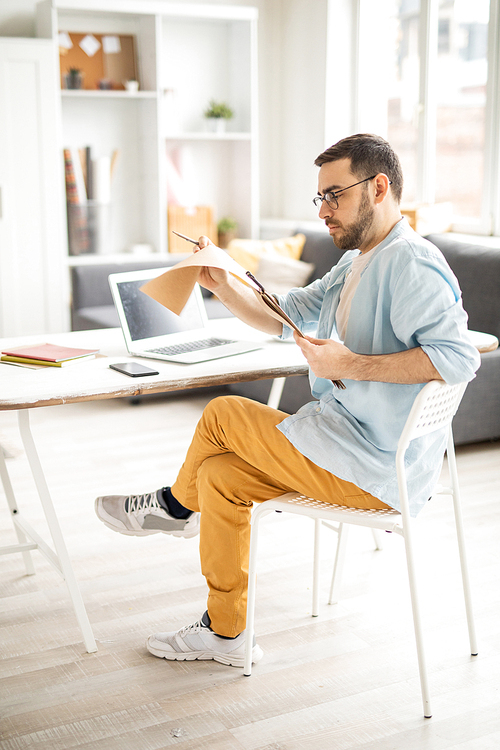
x: 163, y: 524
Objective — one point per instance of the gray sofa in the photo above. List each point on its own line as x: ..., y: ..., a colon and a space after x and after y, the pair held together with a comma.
x: 91, y: 300
x: 476, y: 267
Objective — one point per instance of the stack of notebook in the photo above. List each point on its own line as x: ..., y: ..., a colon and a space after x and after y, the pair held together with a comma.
x: 47, y: 354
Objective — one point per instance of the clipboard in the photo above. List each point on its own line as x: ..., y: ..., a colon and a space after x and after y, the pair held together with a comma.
x: 271, y: 302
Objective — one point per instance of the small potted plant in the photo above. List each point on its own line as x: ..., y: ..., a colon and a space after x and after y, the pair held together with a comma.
x: 74, y: 78
x: 217, y: 114
x: 226, y: 229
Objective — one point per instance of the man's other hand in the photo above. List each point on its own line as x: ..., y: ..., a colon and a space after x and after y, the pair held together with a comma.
x: 327, y: 358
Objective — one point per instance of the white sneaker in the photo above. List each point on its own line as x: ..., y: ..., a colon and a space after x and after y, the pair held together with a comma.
x: 140, y: 515
x: 198, y: 641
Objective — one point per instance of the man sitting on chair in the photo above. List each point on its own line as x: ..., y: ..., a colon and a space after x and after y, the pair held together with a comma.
x: 386, y: 319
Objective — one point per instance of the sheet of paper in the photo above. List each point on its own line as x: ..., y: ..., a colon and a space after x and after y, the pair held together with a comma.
x: 172, y: 288
x: 64, y: 40
x: 111, y: 45
x: 90, y: 45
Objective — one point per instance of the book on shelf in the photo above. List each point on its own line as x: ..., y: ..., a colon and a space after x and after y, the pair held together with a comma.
x: 81, y: 188
x: 89, y: 175
x: 69, y: 173
x: 79, y: 228
x: 50, y: 355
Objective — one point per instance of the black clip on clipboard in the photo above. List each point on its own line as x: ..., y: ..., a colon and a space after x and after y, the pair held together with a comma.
x: 271, y: 302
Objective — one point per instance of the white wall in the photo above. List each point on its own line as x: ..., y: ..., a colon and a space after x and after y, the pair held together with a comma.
x: 303, y: 106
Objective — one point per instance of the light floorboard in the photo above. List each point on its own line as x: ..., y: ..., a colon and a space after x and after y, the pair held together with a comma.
x: 347, y: 679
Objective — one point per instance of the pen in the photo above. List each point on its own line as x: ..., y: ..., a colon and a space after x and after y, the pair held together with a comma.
x: 195, y: 242
x: 255, y: 280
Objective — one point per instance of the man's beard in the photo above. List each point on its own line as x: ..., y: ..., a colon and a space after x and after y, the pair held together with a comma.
x: 352, y: 236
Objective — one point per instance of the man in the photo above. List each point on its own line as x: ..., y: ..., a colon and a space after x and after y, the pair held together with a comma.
x: 387, y: 319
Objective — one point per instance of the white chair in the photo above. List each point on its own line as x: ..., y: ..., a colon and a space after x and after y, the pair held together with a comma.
x: 433, y: 409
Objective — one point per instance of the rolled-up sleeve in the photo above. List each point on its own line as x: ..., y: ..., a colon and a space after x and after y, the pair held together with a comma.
x: 303, y: 306
x: 427, y: 311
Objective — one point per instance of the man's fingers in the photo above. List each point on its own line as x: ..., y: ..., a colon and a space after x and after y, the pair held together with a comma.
x: 305, y: 340
x: 203, y: 241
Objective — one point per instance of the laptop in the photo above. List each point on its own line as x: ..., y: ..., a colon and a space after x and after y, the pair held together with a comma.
x: 151, y: 330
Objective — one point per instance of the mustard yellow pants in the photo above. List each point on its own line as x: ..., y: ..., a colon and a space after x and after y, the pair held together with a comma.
x: 238, y: 457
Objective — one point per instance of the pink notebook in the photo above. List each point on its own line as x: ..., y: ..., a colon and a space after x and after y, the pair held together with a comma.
x: 49, y: 352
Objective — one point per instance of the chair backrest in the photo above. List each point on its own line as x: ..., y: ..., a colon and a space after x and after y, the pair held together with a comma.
x: 434, y: 408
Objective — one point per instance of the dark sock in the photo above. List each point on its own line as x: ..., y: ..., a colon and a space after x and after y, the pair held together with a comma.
x: 171, y: 505
x: 205, y: 620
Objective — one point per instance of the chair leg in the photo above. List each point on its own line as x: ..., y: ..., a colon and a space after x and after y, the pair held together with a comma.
x: 338, y: 566
x: 417, y: 623
x: 378, y: 538
x: 452, y: 464
x: 317, y: 543
x: 252, y: 585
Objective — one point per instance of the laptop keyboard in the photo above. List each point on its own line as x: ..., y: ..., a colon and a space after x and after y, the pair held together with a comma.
x: 190, y: 346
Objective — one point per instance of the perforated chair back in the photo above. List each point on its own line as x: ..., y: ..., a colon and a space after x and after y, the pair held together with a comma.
x: 433, y: 408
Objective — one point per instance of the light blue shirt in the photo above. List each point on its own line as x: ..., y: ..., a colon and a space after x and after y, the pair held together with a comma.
x: 407, y: 297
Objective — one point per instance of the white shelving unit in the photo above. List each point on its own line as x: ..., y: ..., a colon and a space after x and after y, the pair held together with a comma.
x: 186, y: 55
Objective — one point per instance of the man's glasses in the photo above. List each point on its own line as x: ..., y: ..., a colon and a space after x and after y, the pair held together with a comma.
x: 332, y: 198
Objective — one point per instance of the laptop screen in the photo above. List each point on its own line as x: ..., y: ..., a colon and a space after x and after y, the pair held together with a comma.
x: 147, y: 318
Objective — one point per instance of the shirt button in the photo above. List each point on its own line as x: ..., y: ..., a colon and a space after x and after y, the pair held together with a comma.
x: 318, y: 409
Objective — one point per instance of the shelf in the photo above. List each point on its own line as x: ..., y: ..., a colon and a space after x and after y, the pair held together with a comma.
x: 207, y: 136
x: 187, y: 54
x: 103, y: 94
x: 94, y: 259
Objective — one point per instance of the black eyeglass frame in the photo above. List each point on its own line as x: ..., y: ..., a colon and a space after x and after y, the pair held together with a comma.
x: 333, y: 196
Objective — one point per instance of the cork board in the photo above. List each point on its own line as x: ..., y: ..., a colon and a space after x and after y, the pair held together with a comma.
x: 115, y: 66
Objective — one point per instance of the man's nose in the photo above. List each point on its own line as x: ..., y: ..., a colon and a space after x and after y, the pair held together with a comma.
x: 325, y: 210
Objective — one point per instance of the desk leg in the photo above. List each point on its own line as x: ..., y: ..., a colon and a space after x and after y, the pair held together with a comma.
x: 66, y: 569
x: 275, y: 393
x: 22, y: 545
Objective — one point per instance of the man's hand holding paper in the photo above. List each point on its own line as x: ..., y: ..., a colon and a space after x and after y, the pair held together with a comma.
x: 217, y: 271
x: 211, y: 277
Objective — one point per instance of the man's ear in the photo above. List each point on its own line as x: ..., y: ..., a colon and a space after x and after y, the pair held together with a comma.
x: 381, y: 183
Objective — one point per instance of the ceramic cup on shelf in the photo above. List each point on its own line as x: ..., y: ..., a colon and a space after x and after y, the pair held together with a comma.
x: 216, y: 124
x: 132, y: 86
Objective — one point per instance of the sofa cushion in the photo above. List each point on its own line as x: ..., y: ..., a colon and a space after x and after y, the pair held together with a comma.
x: 278, y: 274
x: 477, y: 269
x: 248, y: 252
x: 99, y: 316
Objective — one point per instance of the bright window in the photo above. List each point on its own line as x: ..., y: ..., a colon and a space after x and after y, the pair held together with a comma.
x: 462, y: 72
x: 426, y: 81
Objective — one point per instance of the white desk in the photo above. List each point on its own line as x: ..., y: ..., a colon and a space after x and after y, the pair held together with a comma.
x: 24, y: 389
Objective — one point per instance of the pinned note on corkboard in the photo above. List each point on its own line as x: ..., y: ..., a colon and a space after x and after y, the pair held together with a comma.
x: 104, y: 60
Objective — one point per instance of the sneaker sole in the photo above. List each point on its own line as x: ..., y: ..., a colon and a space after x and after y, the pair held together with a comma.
x: 128, y: 532
x: 227, y: 659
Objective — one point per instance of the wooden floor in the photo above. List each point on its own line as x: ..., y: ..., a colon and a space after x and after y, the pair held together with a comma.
x: 347, y: 679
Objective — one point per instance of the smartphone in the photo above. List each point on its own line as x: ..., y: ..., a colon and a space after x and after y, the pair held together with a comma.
x: 133, y: 369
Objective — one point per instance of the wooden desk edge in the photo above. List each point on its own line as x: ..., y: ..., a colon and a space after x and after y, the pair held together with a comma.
x: 147, y: 386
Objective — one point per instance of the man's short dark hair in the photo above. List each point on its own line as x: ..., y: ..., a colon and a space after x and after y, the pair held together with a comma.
x: 369, y: 155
